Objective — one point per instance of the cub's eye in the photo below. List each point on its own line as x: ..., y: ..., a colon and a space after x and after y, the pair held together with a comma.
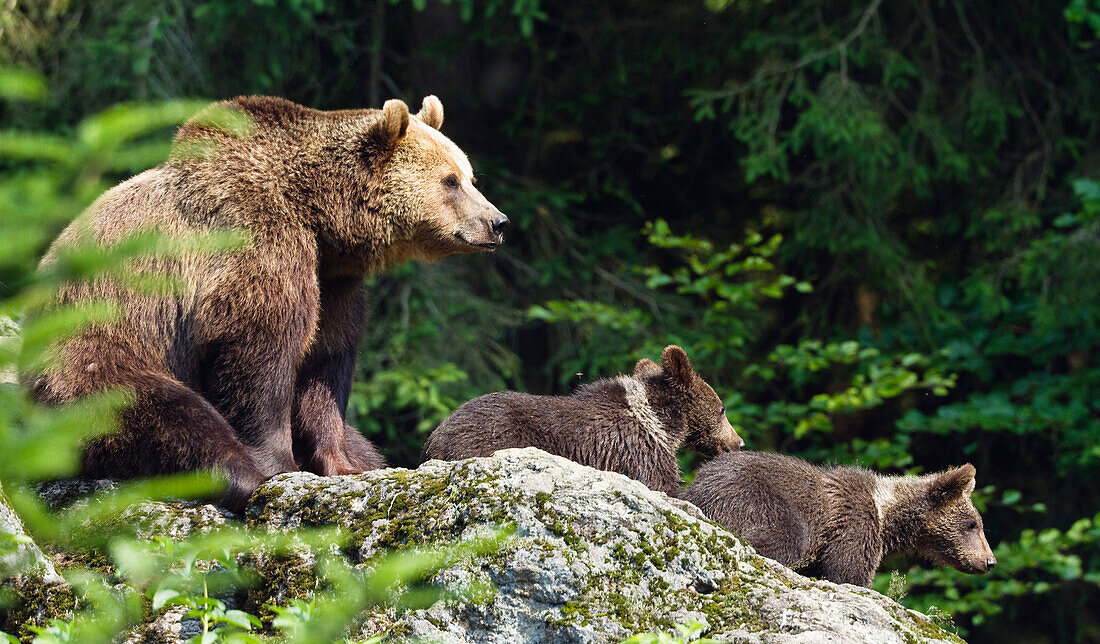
x: 451, y: 181
x: 973, y: 525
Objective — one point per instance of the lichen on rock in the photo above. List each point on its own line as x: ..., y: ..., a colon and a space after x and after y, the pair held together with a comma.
x: 31, y: 590
x: 595, y: 557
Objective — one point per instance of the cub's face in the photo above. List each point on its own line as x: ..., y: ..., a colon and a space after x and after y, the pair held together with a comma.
x: 429, y: 191
x: 709, y: 430
x: 955, y: 535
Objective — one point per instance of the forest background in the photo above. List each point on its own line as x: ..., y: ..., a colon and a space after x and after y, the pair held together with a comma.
x: 873, y: 225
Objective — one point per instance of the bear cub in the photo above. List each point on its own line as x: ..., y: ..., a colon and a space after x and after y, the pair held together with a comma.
x: 630, y: 424
x: 837, y: 523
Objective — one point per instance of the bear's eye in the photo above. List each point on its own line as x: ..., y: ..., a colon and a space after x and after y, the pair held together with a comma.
x: 451, y: 181
x: 973, y: 525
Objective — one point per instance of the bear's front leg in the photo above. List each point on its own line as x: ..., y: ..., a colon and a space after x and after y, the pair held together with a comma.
x: 255, y: 325
x: 323, y: 442
x: 853, y: 552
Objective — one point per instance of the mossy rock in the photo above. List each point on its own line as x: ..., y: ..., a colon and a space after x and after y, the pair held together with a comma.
x: 31, y: 590
x: 595, y: 557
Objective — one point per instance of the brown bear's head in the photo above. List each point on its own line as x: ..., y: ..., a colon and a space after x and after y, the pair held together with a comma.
x: 377, y: 187
x: 952, y: 532
x: 704, y: 416
x: 427, y: 185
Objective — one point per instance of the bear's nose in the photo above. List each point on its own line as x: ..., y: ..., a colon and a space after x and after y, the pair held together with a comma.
x: 989, y: 563
x: 499, y: 224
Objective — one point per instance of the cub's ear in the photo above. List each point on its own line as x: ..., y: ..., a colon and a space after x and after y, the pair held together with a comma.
x: 646, y: 366
x: 952, y: 484
x: 431, y: 112
x: 676, y: 364
x: 393, y: 124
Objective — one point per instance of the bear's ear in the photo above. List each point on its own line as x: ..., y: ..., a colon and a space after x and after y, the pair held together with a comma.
x: 393, y: 124
x: 646, y: 366
x: 952, y: 484
x: 676, y: 364
x: 431, y: 112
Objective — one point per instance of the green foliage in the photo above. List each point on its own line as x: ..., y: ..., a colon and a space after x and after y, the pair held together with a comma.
x: 1038, y: 563
x: 929, y: 167
x: 1031, y: 319
x: 691, y: 632
x: 724, y: 307
x: 1084, y: 13
x: 404, y: 387
x: 409, y: 377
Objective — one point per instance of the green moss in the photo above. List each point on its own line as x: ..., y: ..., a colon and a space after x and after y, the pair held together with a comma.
x: 31, y: 602
x: 92, y: 559
x: 277, y: 579
x: 398, y: 632
x: 557, y: 524
x: 925, y: 628
x: 428, y: 507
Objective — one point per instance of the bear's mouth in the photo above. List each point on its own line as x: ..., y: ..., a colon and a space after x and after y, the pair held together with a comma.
x: 483, y: 245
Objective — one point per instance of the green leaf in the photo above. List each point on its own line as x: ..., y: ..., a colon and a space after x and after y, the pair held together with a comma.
x: 38, y: 147
x: 163, y: 597
x: 120, y: 123
x: 241, y: 619
x: 22, y: 85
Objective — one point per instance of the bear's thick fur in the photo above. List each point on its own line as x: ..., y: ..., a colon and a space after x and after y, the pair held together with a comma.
x: 248, y: 370
x: 837, y: 523
x: 630, y: 424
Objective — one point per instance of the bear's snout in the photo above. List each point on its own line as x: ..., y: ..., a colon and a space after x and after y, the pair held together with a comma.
x: 976, y: 567
x: 978, y: 562
x: 733, y: 444
x: 497, y: 223
x: 485, y: 229
x: 731, y: 440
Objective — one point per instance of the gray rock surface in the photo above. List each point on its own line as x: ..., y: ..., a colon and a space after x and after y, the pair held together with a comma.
x: 27, y: 560
x: 9, y: 334
x: 595, y: 557
x: 32, y: 589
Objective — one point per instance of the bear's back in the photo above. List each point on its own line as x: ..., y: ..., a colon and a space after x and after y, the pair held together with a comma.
x: 509, y: 419
x: 774, y: 502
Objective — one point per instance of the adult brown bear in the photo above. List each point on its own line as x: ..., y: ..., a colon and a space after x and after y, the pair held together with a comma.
x: 248, y: 370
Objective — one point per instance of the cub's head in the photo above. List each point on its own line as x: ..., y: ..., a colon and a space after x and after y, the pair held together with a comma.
x: 677, y: 385
x: 426, y: 184
x: 952, y: 530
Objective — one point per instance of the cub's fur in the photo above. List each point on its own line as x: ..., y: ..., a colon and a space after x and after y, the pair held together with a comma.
x: 248, y: 371
x: 838, y: 523
x: 630, y: 424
